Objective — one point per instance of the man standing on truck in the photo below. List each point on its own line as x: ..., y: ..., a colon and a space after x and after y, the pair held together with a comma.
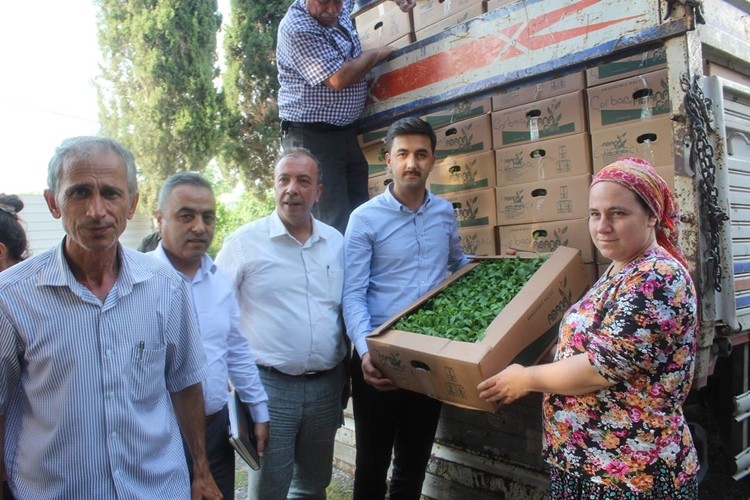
x: 398, y: 246
x: 322, y: 72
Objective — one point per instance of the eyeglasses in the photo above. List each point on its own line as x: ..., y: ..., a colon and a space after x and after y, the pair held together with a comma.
x: 326, y: 2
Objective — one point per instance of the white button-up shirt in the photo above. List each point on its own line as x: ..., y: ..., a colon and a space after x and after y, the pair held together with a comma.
x: 227, y: 352
x: 289, y: 293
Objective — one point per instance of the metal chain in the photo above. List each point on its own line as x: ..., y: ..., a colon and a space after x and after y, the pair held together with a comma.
x: 697, y: 108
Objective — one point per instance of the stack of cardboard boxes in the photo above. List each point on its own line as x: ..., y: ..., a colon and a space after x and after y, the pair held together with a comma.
x: 517, y: 165
x: 543, y: 166
x: 629, y: 115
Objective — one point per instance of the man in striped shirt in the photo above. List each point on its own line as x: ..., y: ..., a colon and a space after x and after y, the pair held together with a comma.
x: 322, y: 72
x: 100, y: 356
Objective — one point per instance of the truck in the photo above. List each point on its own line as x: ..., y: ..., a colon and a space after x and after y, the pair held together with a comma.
x: 704, y: 52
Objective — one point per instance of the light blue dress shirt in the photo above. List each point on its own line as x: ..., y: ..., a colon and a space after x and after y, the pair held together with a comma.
x: 227, y: 352
x: 85, y: 385
x: 392, y: 257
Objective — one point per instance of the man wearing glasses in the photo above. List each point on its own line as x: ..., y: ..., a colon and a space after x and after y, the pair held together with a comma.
x: 322, y: 72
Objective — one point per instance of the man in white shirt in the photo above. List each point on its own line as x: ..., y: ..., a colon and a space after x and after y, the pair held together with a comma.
x: 187, y: 219
x: 288, y: 271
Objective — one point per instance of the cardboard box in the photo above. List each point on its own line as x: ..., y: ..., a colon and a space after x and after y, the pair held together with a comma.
x: 463, y: 173
x: 525, y: 93
x: 636, y: 99
x: 428, y: 12
x: 547, y: 236
x: 377, y: 184
x: 566, y: 156
x: 451, y: 370
x: 625, y: 67
x: 459, y: 110
x: 554, y: 117
x: 402, y: 42
x: 652, y: 140
x: 475, y: 208
x: 478, y: 240
x: 451, y: 21
x: 473, y: 135
x: 543, y: 201
x: 381, y: 25
x: 375, y: 156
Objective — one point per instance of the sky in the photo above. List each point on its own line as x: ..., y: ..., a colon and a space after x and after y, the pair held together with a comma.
x: 50, y: 59
x: 49, y: 56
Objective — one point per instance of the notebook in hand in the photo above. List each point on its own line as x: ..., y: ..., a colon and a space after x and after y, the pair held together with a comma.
x: 241, y: 435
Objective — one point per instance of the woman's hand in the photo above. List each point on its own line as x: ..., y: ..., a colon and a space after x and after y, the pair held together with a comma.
x: 506, y: 386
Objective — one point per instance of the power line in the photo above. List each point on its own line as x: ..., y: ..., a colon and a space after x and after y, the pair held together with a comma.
x: 47, y: 110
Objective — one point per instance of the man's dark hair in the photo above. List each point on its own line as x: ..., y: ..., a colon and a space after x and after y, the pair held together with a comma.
x: 410, y: 126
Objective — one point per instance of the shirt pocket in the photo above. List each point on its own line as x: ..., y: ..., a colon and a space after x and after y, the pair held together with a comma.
x: 147, y: 368
x: 335, y: 283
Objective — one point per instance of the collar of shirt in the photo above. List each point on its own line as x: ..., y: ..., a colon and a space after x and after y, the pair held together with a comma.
x: 278, y: 229
x: 392, y: 202
x: 58, y: 273
x: 207, y: 265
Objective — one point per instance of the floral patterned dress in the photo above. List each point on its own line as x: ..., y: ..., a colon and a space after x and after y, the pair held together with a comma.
x: 631, y: 439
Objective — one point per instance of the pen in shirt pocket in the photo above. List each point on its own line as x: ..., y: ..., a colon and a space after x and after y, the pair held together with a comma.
x: 141, y: 347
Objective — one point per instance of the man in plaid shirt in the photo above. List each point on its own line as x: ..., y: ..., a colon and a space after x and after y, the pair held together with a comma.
x: 321, y: 71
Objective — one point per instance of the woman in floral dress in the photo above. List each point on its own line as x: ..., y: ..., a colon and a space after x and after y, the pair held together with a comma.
x: 612, y: 415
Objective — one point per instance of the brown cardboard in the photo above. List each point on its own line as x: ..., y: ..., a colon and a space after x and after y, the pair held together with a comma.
x: 625, y: 67
x: 459, y: 110
x: 402, y: 42
x: 428, y: 12
x: 451, y: 21
x: 451, y: 370
x: 478, y: 240
x: 543, y: 201
x: 474, y: 208
x: 377, y: 184
x: 566, y: 156
x: 375, y: 156
x: 525, y: 93
x: 546, y: 119
x: 381, y: 25
x: 617, y: 103
x: 473, y: 135
x: 652, y: 140
x: 463, y: 173
x: 547, y: 236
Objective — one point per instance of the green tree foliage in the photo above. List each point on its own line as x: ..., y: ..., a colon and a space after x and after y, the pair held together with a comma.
x: 250, y: 207
x: 156, y: 91
x: 250, y: 124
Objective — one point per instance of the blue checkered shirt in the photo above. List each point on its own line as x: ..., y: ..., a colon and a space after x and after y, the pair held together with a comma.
x: 307, y: 54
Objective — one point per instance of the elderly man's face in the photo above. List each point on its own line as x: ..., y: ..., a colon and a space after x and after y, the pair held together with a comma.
x: 187, y: 223
x: 93, y: 200
x: 297, y: 189
x: 326, y: 12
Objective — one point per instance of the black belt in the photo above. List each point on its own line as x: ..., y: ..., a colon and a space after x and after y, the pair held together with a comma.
x: 306, y: 375
x: 319, y: 126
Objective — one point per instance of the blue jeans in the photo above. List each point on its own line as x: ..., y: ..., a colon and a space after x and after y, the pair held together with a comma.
x: 344, y: 169
x: 305, y: 415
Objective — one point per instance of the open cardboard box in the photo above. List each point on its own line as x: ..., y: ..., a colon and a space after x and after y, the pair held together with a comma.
x: 451, y: 370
